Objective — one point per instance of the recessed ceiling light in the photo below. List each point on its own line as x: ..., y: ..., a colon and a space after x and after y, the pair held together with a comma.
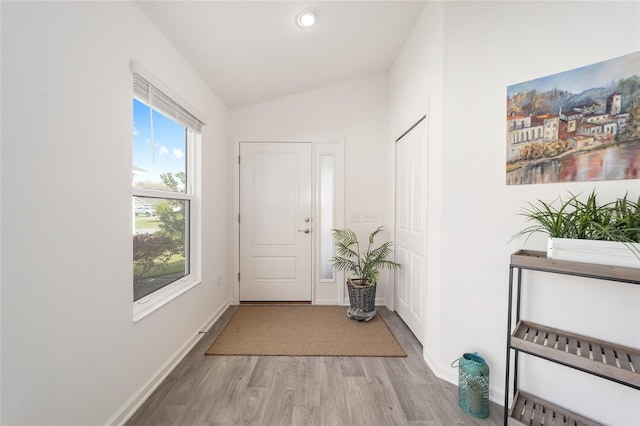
x: 307, y: 17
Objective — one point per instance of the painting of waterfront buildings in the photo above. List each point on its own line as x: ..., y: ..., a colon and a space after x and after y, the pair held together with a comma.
x: 579, y: 125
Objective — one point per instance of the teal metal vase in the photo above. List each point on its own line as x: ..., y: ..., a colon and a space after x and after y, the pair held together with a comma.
x: 473, y: 385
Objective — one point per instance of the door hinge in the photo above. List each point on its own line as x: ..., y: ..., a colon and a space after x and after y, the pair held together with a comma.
x: 238, y: 276
x: 238, y: 218
x: 238, y: 159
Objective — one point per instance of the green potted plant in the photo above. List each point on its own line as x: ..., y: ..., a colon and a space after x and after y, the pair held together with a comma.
x: 364, y: 268
x: 587, y: 231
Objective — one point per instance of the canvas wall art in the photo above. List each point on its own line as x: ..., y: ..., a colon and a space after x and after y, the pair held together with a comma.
x: 575, y: 126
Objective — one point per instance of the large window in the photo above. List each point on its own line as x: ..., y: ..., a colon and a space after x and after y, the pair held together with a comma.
x: 163, y: 194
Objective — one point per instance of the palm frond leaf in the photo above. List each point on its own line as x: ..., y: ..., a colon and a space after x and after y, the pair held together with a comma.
x: 364, y: 265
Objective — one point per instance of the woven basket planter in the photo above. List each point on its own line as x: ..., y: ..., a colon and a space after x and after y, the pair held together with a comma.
x: 362, y: 301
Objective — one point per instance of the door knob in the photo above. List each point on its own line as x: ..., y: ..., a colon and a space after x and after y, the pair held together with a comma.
x: 305, y: 230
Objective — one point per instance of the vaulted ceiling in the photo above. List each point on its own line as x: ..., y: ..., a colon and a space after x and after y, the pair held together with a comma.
x: 253, y: 51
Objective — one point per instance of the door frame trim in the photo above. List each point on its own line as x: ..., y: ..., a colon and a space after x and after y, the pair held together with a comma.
x: 336, y: 146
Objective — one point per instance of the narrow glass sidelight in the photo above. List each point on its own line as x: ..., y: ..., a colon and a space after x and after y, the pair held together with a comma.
x: 327, y: 192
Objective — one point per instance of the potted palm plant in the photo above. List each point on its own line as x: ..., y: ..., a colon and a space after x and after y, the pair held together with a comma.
x: 364, y: 268
x: 587, y: 231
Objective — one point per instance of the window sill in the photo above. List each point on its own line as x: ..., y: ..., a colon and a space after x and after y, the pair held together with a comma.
x: 151, y: 303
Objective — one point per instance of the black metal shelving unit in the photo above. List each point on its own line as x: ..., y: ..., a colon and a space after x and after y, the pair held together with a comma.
x: 607, y: 360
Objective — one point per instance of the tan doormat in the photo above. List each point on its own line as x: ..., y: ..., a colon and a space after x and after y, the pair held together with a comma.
x: 298, y: 330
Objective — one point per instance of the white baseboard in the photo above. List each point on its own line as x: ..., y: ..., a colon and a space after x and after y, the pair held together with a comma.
x: 215, y: 317
x: 141, y: 395
x: 329, y: 302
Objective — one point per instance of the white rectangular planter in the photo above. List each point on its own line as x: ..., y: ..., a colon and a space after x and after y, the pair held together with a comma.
x: 592, y: 251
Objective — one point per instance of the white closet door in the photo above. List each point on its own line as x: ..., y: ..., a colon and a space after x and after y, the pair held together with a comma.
x: 411, y: 227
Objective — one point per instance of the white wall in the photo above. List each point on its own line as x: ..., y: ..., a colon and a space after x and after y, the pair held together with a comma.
x: 71, y: 353
x: 354, y: 111
x: 486, y: 47
x: 415, y: 82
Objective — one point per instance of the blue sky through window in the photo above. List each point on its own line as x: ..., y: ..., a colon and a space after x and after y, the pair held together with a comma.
x: 169, y: 145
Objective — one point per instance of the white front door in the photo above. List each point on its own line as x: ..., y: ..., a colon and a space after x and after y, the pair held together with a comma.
x: 411, y: 227
x: 275, y: 222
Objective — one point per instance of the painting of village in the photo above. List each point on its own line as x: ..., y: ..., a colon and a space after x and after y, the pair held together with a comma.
x: 575, y: 126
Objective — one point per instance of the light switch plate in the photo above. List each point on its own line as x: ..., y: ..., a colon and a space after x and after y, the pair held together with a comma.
x: 369, y: 217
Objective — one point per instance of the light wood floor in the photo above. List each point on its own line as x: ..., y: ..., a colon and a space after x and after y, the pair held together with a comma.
x: 256, y: 390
